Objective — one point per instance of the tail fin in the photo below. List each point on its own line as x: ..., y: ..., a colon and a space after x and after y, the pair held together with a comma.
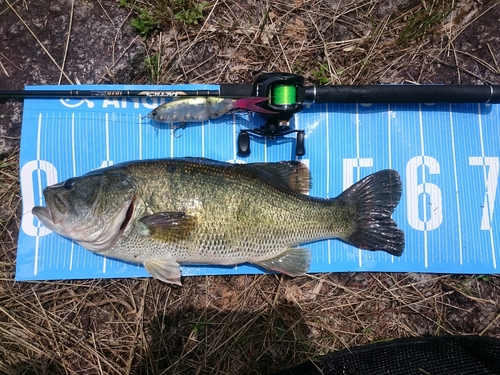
x: 375, y: 198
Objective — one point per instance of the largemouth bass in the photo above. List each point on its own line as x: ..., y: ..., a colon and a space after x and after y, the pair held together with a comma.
x: 167, y: 212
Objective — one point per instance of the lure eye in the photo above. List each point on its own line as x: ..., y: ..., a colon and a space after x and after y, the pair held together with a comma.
x: 69, y: 183
x: 153, y: 113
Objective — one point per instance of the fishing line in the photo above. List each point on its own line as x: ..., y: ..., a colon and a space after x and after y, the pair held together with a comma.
x: 284, y: 95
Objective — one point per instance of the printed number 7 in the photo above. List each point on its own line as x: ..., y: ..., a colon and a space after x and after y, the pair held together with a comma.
x: 491, y: 182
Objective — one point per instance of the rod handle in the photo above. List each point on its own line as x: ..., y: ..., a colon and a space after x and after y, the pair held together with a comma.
x: 404, y: 94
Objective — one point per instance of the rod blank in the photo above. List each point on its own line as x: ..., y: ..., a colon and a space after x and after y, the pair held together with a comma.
x: 48, y: 94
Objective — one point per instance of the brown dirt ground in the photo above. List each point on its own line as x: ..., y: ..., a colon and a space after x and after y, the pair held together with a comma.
x: 245, y: 324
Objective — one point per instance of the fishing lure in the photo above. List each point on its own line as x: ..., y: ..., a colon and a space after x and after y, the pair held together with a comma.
x: 203, y: 109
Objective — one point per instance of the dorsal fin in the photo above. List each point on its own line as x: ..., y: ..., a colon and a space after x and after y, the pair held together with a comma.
x: 293, y: 174
x: 287, y: 175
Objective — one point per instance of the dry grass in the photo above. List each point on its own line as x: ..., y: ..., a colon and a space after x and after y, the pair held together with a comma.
x: 344, y: 42
x: 253, y: 324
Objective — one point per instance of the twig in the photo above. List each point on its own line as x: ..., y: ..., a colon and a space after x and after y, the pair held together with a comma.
x: 6, y: 58
x: 454, y: 66
x: 139, y: 321
x: 39, y: 42
x: 489, y: 325
x: 3, y: 68
x: 6, y: 9
x: 494, y: 59
x: 67, y: 40
x: 106, y: 13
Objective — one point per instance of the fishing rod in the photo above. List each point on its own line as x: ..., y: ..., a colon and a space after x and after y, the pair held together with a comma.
x: 289, y: 89
x: 285, y: 95
x: 277, y: 84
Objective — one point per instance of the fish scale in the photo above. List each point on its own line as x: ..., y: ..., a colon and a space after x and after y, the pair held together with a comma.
x: 163, y: 213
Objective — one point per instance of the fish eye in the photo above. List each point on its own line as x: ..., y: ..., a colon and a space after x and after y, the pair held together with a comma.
x: 153, y: 113
x: 69, y: 183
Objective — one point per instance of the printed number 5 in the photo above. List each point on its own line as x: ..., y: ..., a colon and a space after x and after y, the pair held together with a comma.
x: 424, y: 200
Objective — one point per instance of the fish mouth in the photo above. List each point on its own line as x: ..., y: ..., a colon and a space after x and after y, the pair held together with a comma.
x: 55, y: 210
x: 44, y: 214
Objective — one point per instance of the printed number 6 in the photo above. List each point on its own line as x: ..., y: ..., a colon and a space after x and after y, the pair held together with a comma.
x: 425, y: 212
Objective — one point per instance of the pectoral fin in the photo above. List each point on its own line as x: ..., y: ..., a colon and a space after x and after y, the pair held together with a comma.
x: 293, y: 262
x: 169, y: 226
x: 164, y: 270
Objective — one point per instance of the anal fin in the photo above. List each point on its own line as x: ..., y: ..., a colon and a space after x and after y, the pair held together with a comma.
x: 293, y: 262
x: 164, y: 270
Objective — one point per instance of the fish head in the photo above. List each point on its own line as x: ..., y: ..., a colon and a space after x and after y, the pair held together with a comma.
x: 93, y: 210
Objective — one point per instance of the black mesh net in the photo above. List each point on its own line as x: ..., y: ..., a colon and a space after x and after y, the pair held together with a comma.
x: 463, y: 355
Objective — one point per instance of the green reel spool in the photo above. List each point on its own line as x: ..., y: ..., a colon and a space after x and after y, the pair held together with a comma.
x: 284, y: 95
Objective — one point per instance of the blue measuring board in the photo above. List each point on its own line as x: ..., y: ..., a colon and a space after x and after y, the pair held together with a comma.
x: 448, y: 157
